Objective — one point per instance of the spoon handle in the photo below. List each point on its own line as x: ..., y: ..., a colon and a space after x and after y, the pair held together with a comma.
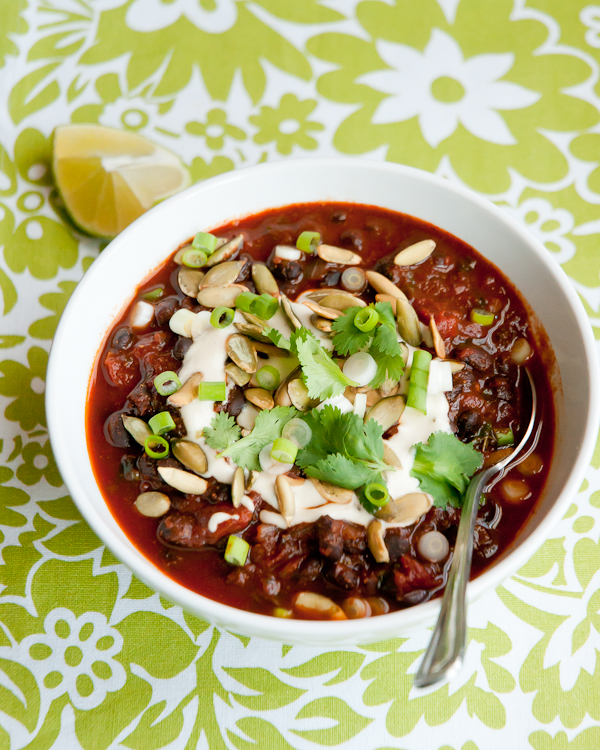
x: 446, y: 650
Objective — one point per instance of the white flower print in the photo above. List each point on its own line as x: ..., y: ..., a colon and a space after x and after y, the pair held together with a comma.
x: 75, y: 655
x: 213, y: 16
x: 443, y: 89
x: 590, y: 17
x: 548, y: 224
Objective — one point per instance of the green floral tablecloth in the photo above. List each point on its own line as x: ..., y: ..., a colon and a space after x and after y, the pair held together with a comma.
x: 497, y: 95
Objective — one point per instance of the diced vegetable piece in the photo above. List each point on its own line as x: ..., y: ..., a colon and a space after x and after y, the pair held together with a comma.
x: 308, y: 241
x: 504, y: 437
x: 167, y: 383
x: 153, y: 294
x: 284, y: 451
x: 281, y: 612
x: 214, y: 391
x: 236, y: 552
x: 161, y: 423
x: 419, y: 377
x: 482, y: 317
x: 361, y: 368
x: 268, y: 377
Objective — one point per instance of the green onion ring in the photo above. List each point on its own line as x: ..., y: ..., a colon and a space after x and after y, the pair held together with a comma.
x: 244, y: 301
x: 264, y: 306
x: 504, y: 438
x: 284, y: 451
x: 377, y: 494
x: 154, y: 441
x: 216, y: 391
x: 298, y: 432
x: 153, y: 294
x: 161, y: 423
x: 366, y: 319
x: 221, y: 317
x: 268, y: 377
x: 206, y: 242
x: 236, y: 552
x: 194, y: 258
x: 167, y: 383
x: 482, y: 317
x: 308, y: 241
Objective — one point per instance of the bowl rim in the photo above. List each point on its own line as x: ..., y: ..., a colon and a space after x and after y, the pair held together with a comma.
x: 306, y: 631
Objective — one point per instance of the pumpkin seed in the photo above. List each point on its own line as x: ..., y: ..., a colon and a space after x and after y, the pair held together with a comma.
x: 260, y: 397
x: 137, y: 428
x: 340, y: 301
x: 285, y: 499
x: 324, y: 312
x: 238, y: 487
x: 226, y: 252
x: 456, y: 366
x: 387, y: 411
x: 383, y: 285
x: 189, y: 280
x: 356, y: 608
x: 375, y: 540
x: 390, y: 457
x: 321, y: 324
x: 254, y: 332
x: 153, y: 504
x: 241, y: 350
x: 295, y: 481
x: 236, y: 374
x: 388, y: 388
x: 254, y: 320
x: 317, y: 294
x: 220, y: 296
x: 270, y: 349
x: 332, y: 493
x: 188, y: 391
x: 414, y: 254
x: 289, y: 312
x: 387, y: 298
x: 308, y: 603
x: 223, y: 274
x: 408, y: 322
x: 438, y: 341
x: 191, y: 455
x: 184, y: 481
x: 181, y: 252
x: 338, y: 255
x: 405, y: 510
x: 264, y: 280
x: 298, y: 393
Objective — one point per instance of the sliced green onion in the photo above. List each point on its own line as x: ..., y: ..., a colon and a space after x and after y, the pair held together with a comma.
x: 153, y: 294
x: 366, y: 319
x: 236, y: 552
x: 308, y: 241
x: 354, y: 279
x: 161, y: 423
x: 284, y: 451
x: 376, y: 493
x: 264, y: 306
x: 221, y: 317
x: 206, y: 242
x: 298, y: 432
x: 419, y: 378
x: 167, y: 383
x: 244, y: 300
x: 504, y: 437
x: 194, y: 258
x: 156, y: 446
x: 483, y: 317
x: 281, y: 612
x: 212, y: 391
x: 268, y: 377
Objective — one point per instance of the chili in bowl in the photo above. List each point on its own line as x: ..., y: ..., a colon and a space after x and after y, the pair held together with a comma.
x: 283, y: 415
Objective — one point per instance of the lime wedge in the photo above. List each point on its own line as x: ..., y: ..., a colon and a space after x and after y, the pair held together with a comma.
x: 107, y: 177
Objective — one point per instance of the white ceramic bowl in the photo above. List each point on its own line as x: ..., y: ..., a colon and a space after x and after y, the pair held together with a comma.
x: 109, y: 285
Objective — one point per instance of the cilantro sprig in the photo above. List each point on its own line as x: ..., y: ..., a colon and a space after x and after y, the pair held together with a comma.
x: 444, y: 466
x: 343, y: 449
x: 381, y: 341
x: 222, y: 433
x: 322, y: 375
x: 267, y: 428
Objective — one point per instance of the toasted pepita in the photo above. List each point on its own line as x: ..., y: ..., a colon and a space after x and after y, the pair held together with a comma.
x: 338, y: 255
x: 299, y: 397
x: 190, y: 455
x: 137, y: 428
x: 390, y: 457
x: 387, y: 411
x: 376, y: 542
x: 153, y: 504
x: 237, y: 375
x: 383, y: 285
x: 189, y: 280
x: 414, y: 254
x: 264, y: 280
x: 285, y: 499
x: 311, y: 604
x: 290, y: 314
x: 227, y: 251
x: 223, y: 274
x: 341, y: 301
x: 324, y: 312
x: 241, y: 350
x: 181, y: 252
x: 456, y: 366
x: 253, y: 332
x: 238, y: 487
x: 321, y: 324
x: 188, y: 391
x: 220, y: 296
x: 408, y: 322
x: 184, y: 481
x: 260, y: 397
x: 405, y: 510
x: 332, y: 493
x: 438, y: 341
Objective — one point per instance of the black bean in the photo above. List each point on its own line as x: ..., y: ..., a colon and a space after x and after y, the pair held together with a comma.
x: 122, y: 339
x: 115, y: 433
x: 181, y: 347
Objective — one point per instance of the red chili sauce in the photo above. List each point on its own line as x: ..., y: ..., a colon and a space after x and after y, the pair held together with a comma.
x: 329, y: 557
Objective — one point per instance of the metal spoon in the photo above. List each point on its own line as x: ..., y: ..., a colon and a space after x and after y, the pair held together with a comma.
x: 446, y: 650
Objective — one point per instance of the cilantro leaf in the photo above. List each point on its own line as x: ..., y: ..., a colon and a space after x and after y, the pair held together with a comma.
x: 222, y: 433
x: 348, y: 339
x: 444, y: 466
x: 342, y: 449
x: 267, y: 428
x: 278, y: 338
x: 386, y: 351
x: 322, y: 376
x: 386, y: 314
